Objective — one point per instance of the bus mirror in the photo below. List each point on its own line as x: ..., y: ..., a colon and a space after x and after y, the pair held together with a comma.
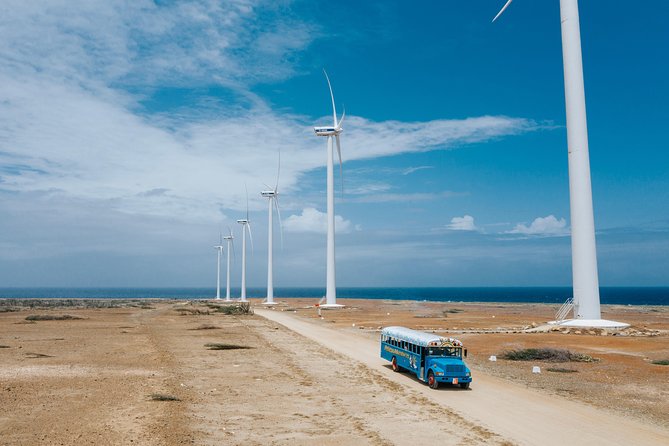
x: 465, y: 353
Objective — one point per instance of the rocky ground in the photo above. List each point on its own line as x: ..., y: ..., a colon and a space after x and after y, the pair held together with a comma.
x: 173, y: 372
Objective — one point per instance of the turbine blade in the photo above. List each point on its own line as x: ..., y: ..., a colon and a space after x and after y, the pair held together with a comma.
x: 341, y: 120
x: 247, y: 201
x: 234, y: 254
x: 278, y: 172
x: 278, y: 213
x: 506, y: 5
x: 248, y: 225
x: 341, y: 168
x: 334, y: 109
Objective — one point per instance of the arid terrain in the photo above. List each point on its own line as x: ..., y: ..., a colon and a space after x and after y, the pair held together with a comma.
x: 180, y: 372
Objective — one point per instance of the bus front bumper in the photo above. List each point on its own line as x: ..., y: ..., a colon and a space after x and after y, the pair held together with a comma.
x: 453, y: 379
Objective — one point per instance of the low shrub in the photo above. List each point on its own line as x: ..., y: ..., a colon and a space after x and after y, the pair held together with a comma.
x: 37, y: 355
x: 51, y: 317
x: 163, y: 397
x: 560, y: 370
x: 546, y: 354
x: 191, y: 311
x: 661, y: 362
x: 240, y: 308
x: 8, y: 309
x: 452, y: 311
x: 217, y: 346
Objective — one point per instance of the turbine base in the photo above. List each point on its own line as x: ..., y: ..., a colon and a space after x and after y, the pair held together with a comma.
x: 270, y: 303
x: 331, y: 306
x: 589, y: 323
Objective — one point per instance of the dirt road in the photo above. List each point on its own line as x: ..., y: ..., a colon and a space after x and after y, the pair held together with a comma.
x: 513, y: 412
x: 90, y: 380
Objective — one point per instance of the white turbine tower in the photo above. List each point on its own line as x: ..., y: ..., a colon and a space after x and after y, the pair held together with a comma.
x: 229, y: 239
x: 583, y: 250
x: 273, y: 196
x: 332, y: 132
x: 219, y: 249
x: 246, y: 225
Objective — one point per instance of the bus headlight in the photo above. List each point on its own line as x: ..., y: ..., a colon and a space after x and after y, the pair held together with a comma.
x: 468, y: 374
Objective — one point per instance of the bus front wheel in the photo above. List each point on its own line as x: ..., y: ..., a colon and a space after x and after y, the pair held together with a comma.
x: 396, y: 368
x: 432, y: 381
x: 464, y: 386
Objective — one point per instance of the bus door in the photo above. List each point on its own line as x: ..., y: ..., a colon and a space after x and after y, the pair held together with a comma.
x: 422, y: 363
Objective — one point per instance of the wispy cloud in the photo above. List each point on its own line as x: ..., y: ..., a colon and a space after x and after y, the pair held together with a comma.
x: 374, y: 139
x: 411, y: 170
x: 403, y: 197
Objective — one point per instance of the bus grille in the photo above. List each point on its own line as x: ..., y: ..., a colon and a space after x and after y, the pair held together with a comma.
x: 455, y: 369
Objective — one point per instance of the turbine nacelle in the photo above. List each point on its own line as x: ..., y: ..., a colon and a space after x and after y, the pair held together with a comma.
x: 327, y: 131
x: 243, y: 221
x: 228, y: 237
x: 269, y: 193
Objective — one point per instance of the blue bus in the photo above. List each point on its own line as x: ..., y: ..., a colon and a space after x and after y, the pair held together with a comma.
x: 434, y: 359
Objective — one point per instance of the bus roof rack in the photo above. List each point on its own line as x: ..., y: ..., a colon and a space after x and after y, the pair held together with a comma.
x: 420, y: 337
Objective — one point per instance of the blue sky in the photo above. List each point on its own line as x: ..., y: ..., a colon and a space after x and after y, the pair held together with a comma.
x: 129, y: 129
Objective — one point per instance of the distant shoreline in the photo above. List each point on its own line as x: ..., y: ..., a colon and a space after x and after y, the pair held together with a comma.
x: 634, y: 296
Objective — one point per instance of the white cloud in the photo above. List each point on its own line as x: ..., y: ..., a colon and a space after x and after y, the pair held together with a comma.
x: 72, y: 119
x: 312, y: 220
x: 542, y: 226
x: 78, y: 128
x: 465, y: 223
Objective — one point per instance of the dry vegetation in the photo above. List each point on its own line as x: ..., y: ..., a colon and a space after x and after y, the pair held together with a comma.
x: 546, y: 355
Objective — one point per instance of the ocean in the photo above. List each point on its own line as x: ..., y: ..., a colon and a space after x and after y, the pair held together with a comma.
x: 608, y: 295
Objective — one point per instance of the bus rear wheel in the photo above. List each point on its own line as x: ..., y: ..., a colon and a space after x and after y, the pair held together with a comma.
x: 393, y: 362
x: 432, y: 381
x: 464, y: 386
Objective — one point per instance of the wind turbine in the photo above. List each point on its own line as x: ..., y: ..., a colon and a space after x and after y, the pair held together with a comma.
x: 218, y: 248
x: 587, y: 310
x: 273, y: 196
x: 332, y: 132
x: 246, y: 225
x: 229, y: 239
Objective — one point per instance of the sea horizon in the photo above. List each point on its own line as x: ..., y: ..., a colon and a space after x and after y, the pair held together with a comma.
x: 629, y: 295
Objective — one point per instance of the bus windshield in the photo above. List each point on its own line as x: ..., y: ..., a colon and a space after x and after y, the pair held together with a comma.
x: 444, y: 351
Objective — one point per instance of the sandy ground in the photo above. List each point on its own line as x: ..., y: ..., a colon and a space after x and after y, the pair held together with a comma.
x: 90, y: 380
